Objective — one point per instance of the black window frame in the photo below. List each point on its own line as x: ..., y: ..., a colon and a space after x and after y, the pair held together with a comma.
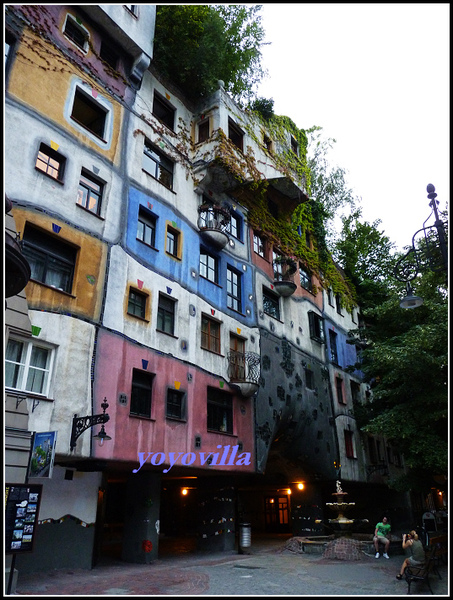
x: 146, y: 222
x: 89, y: 183
x: 45, y: 252
x: 234, y: 289
x: 166, y: 314
x: 316, y: 327
x: 175, y: 404
x: 164, y: 111
x: 158, y: 165
x: 219, y: 411
x: 137, y: 300
x: 141, y: 393
x: 271, y: 299
x: 50, y: 154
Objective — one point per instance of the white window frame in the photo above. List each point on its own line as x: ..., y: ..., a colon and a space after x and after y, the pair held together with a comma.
x: 28, y: 345
x: 78, y: 25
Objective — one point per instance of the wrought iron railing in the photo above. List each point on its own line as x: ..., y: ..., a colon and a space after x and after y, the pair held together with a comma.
x: 211, y: 216
x: 243, y: 367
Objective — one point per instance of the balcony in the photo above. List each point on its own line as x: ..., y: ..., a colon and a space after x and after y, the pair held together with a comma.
x: 244, y: 371
x: 284, y: 269
x: 213, y: 221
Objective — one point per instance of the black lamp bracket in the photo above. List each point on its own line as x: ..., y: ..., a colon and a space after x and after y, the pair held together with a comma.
x: 81, y: 424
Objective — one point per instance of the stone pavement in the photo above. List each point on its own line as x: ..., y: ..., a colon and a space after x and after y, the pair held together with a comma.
x: 269, y: 569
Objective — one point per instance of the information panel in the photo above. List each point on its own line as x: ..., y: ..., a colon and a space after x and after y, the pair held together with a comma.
x: 22, y: 503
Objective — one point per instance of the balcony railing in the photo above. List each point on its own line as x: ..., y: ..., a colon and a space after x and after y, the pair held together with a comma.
x: 244, y: 371
x: 213, y: 222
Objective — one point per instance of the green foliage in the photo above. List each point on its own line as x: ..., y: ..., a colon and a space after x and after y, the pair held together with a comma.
x: 195, y: 46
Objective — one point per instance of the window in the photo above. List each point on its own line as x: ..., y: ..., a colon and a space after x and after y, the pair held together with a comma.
x: 349, y: 443
x: 339, y: 388
x: 277, y: 265
x: 305, y: 279
x: 209, y: 266
x: 220, y: 411
x: 234, y: 226
x: 10, y: 42
x: 164, y: 111
x: 157, y: 165
x: 166, y: 315
x: 146, y: 227
x: 338, y: 303
x: 309, y: 379
x: 333, y: 347
x: 141, y: 393
x: 330, y: 297
x: 89, y: 193
x: 210, y: 334
x: 28, y: 366
x: 355, y: 391
x: 88, y: 113
x: 294, y: 146
x: 109, y: 55
x: 132, y: 8
x: 50, y: 162
x: 52, y: 262
x: 235, y: 134
x: 137, y: 304
x: 175, y: 408
x: 203, y: 130
x: 316, y: 324
x: 172, y: 242
x: 271, y: 304
x: 236, y: 364
x: 234, y: 290
x: 258, y: 245
x: 76, y: 33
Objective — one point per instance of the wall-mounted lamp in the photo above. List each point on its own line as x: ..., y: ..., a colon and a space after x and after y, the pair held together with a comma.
x: 81, y: 424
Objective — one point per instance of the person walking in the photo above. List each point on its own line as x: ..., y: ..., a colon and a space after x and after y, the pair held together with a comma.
x: 381, y: 534
x: 417, y: 557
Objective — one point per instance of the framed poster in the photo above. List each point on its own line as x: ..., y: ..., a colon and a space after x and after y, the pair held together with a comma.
x: 42, y: 454
x: 22, y: 502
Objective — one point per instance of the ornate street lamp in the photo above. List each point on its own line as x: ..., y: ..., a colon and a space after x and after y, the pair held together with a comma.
x: 410, y: 265
x: 81, y: 424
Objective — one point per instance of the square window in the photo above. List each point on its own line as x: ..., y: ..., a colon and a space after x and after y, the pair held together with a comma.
x: 136, y: 304
x: 146, y: 227
x: 172, y: 242
x: 50, y: 162
x: 89, y: 193
x: 141, y: 393
x: 203, y: 130
x: 175, y: 404
x: 235, y: 134
x: 52, y: 262
x: 234, y: 290
x: 210, y: 334
x: 316, y: 324
x: 166, y: 314
x: 28, y: 366
x: 76, y: 33
x: 157, y: 165
x: 271, y: 304
x: 220, y: 411
x: 88, y: 113
x: 164, y: 111
x: 209, y: 266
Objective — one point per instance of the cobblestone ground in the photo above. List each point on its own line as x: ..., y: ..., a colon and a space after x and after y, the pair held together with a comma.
x: 267, y: 571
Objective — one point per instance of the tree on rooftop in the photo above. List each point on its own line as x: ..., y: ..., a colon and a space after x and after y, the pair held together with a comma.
x: 195, y: 46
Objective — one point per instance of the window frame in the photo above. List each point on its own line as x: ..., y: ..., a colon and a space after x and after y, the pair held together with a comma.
x: 218, y: 402
x: 83, y: 31
x: 173, y: 246
x: 163, y: 313
x: 234, y: 227
x: 181, y: 404
x: 164, y: 111
x: 143, y: 306
x: 162, y: 164
x: 259, y: 245
x: 349, y: 443
x: 50, y: 154
x: 83, y: 102
x: 274, y: 299
x: 333, y: 345
x: 211, y: 272
x: 142, y: 410
x: 25, y: 366
x: 316, y: 327
x: 340, y: 391
x: 201, y: 126
x: 91, y: 191
x: 149, y: 222
x: 234, y: 289
x: 210, y: 341
x: 48, y: 252
x: 235, y: 134
x: 305, y: 278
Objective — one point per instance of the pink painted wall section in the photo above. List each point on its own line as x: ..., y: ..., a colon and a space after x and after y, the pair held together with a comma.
x: 116, y: 358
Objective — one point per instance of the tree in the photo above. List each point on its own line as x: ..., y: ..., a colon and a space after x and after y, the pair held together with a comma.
x: 195, y: 46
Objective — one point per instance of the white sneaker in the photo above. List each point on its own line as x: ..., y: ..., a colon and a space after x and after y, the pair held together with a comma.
x: 377, y: 555
x: 385, y: 555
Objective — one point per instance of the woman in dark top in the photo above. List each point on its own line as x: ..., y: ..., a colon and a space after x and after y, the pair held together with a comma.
x: 417, y: 557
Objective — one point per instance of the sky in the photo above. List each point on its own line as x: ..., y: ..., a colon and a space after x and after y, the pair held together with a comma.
x: 376, y: 78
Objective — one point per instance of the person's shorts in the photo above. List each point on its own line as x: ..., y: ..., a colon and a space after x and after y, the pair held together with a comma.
x: 381, y: 538
x: 414, y: 563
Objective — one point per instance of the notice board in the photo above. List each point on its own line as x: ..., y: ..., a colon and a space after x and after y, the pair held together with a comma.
x: 22, y: 502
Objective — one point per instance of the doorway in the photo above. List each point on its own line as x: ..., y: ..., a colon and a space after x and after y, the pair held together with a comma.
x: 276, y: 513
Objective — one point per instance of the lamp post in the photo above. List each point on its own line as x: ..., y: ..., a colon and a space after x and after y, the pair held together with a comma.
x: 410, y: 265
x: 81, y: 424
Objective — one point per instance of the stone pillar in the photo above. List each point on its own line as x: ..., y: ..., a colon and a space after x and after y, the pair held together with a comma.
x: 141, y: 520
x: 217, y: 510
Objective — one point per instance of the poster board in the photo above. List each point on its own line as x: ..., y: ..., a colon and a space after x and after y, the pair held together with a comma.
x: 22, y: 502
x: 42, y: 454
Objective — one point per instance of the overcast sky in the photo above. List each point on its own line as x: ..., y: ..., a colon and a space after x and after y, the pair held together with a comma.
x: 375, y: 77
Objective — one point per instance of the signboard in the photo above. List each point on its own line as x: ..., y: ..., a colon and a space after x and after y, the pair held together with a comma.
x: 42, y: 454
x: 22, y: 503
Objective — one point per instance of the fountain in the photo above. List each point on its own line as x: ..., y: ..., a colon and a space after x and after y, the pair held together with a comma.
x: 341, y: 524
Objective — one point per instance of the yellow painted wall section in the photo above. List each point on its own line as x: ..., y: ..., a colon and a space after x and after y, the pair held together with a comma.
x: 89, y: 275
x: 36, y: 58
